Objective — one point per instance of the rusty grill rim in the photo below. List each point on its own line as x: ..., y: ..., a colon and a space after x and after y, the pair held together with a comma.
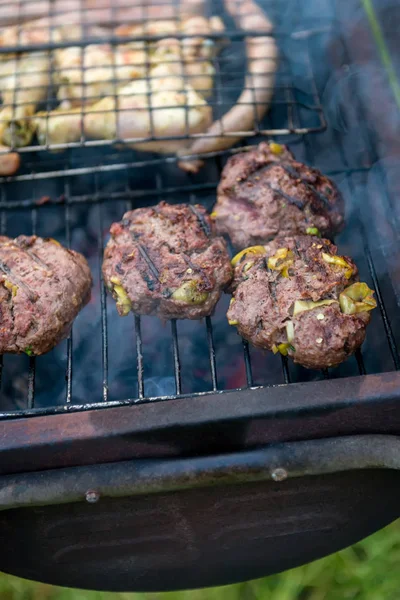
x: 277, y: 403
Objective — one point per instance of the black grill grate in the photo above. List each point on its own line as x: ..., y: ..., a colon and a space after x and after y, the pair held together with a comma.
x: 110, y: 361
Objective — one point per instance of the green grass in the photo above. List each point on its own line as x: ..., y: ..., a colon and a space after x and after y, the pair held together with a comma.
x: 382, y: 48
x: 370, y: 570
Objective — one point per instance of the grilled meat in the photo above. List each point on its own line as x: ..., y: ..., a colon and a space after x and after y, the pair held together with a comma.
x: 166, y: 260
x: 164, y: 107
x: 265, y: 192
x: 9, y: 161
x: 254, y: 100
x: 23, y: 83
x: 43, y: 287
x: 85, y: 75
x: 298, y: 297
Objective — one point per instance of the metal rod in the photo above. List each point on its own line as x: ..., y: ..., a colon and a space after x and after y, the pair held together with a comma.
x: 285, y: 369
x: 211, y: 352
x: 139, y: 357
x: 360, y: 362
x: 177, y: 363
x: 69, y: 370
x: 103, y: 309
x: 386, y: 323
x: 247, y: 363
x: 274, y: 464
x: 3, y: 230
x: 121, y: 166
x: 31, y: 382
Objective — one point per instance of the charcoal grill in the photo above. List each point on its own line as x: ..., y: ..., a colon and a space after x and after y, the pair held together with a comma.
x: 143, y: 456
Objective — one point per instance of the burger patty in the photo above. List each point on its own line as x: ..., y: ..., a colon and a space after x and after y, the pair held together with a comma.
x: 166, y: 260
x: 43, y: 287
x: 298, y: 297
x: 264, y: 193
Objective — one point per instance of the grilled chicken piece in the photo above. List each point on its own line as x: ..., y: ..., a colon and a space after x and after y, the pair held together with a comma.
x: 37, y: 32
x: 43, y: 286
x: 106, y: 13
x: 253, y: 102
x: 85, y: 75
x: 177, y: 110
x: 24, y: 84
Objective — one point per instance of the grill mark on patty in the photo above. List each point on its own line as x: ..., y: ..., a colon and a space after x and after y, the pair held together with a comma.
x: 32, y: 255
x: 145, y: 255
x: 33, y: 296
x: 290, y: 199
x: 201, y: 220
x: 292, y: 171
x: 11, y: 305
x: 75, y: 259
x: 147, y: 259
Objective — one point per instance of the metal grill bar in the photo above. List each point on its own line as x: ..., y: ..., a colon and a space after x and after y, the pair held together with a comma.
x: 31, y: 382
x: 103, y: 303
x: 68, y: 375
x: 247, y: 364
x: 211, y: 351
x: 139, y: 354
x: 177, y: 362
x: 32, y: 359
x: 381, y: 304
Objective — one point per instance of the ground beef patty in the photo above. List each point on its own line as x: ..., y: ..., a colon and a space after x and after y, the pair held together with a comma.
x: 166, y: 260
x: 43, y: 287
x: 265, y: 192
x: 298, y: 297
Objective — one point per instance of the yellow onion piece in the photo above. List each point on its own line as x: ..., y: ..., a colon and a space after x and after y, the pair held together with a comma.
x: 303, y: 305
x: 11, y: 287
x: 251, y: 250
x: 340, y: 262
x: 189, y: 293
x: 281, y: 261
x: 276, y: 148
x: 357, y: 298
x: 123, y: 303
x: 282, y: 348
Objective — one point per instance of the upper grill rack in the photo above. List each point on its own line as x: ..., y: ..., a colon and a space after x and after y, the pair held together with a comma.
x: 295, y: 105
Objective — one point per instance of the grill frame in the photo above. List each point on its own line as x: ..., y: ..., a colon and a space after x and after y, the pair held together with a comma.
x: 68, y: 199
x: 310, y: 516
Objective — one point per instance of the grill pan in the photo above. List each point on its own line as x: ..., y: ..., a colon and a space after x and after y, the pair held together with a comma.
x: 142, y: 456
